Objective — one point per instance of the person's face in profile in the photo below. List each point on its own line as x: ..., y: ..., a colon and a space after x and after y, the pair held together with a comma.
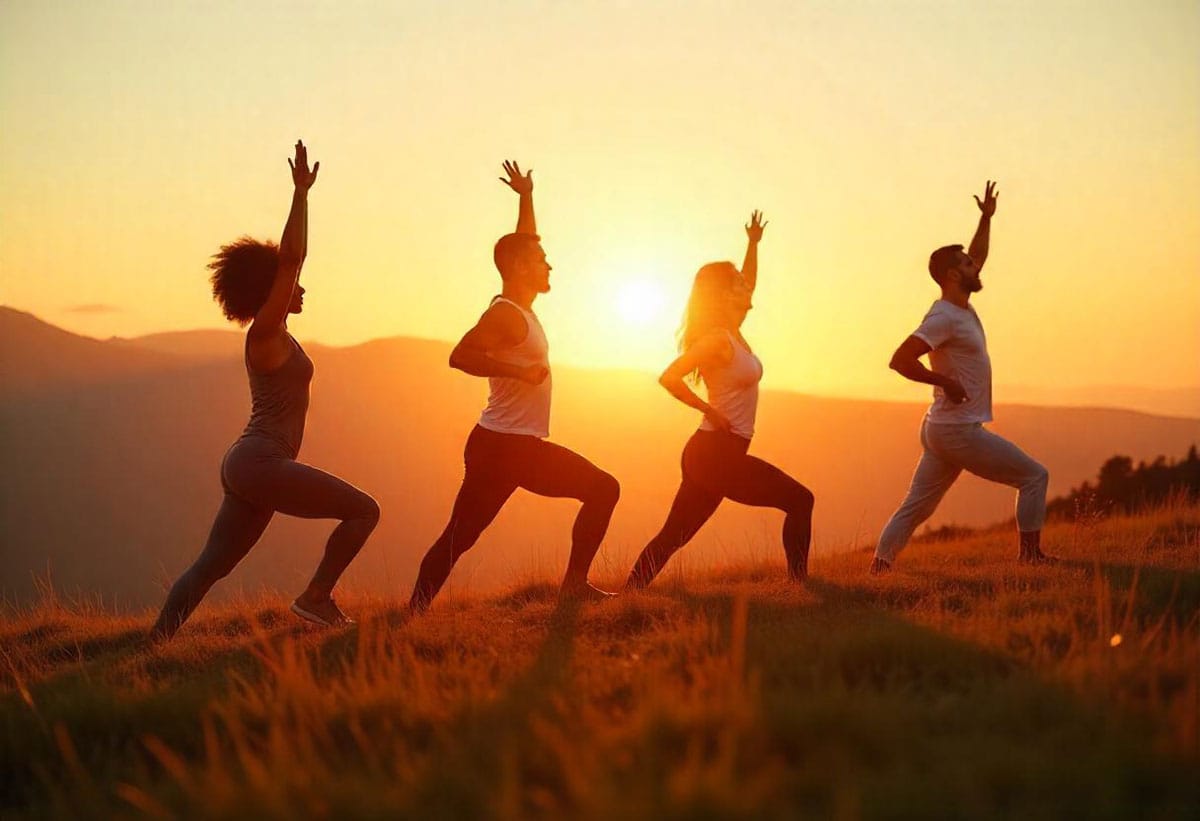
x: 968, y: 273
x: 737, y: 303
x: 297, y: 304
x: 535, y: 270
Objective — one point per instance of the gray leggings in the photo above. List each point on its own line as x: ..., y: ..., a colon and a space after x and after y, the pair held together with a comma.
x: 260, y: 478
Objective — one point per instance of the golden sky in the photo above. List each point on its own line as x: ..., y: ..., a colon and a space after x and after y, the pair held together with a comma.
x: 137, y: 137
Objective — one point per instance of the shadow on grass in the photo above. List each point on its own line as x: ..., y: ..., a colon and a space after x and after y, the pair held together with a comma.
x: 106, y: 727
x: 876, y: 715
x: 1158, y: 589
x: 487, y: 744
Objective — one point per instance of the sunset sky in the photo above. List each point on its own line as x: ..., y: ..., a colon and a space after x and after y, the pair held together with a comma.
x: 135, y: 138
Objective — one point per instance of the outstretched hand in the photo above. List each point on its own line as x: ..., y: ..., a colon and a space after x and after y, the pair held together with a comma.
x: 521, y: 183
x: 301, y: 175
x: 988, y: 204
x: 754, y: 228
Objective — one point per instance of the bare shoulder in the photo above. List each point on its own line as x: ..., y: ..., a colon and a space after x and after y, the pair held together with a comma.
x: 267, y: 348
x: 502, y: 324
x: 714, y: 348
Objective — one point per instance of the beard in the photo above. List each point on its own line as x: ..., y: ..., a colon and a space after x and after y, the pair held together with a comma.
x: 972, y: 286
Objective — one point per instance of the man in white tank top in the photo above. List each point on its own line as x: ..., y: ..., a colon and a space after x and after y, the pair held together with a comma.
x: 508, y: 447
x: 952, y: 435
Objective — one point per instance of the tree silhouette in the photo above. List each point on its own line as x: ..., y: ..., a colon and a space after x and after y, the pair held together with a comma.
x: 1122, y: 487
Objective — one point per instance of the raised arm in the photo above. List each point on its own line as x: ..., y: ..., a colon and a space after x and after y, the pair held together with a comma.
x: 268, y: 347
x: 754, y: 232
x: 523, y: 185
x: 906, y: 361
x: 501, y: 326
x: 713, y: 349
x: 987, y: 207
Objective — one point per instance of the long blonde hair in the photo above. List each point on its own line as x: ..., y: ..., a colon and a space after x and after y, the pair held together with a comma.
x: 706, y: 304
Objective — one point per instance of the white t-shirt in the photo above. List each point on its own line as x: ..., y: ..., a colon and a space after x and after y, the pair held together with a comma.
x: 959, y: 351
x: 515, y: 406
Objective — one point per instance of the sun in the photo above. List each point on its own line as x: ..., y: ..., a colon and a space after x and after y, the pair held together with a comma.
x: 640, y: 301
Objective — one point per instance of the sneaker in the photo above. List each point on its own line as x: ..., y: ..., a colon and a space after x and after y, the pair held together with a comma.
x: 1037, y: 557
x: 326, y: 613
x: 880, y: 566
x: 586, y: 593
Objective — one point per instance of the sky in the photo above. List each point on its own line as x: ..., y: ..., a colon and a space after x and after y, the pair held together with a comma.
x: 136, y: 137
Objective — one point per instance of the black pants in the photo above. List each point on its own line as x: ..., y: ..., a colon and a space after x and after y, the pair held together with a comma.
x: 715, y: 466
x: 496, y: 465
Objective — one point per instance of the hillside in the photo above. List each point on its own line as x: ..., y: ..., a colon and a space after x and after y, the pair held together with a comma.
x: 109, y: 484
x: 963, y: 685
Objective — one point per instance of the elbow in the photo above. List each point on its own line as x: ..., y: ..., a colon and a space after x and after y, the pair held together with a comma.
x: 669, y: 381
x: 898, y: 364
x: 455, y: 360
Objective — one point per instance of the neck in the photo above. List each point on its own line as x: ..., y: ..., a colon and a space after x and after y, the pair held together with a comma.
x: 956, y: 297
x: 522, y: 296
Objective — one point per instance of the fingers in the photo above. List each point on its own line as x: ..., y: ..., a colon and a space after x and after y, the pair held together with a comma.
x: 316, y: 167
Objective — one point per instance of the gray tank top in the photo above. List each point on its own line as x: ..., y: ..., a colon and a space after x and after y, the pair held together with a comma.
x: 280, y: 401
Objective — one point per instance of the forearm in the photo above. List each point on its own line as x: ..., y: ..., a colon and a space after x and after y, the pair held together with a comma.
x: 292, y: 245
x: 679, y: 389
x: 914, y: 370
x: 979, y: 243
x: 750, y: 265
x: 304, y: 241
x: 526, y: 223
x: 478, y: 363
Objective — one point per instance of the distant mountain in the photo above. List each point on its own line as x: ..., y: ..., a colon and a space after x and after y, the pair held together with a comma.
x: 1182, y: 401
x: 109, y: 473
x: 189, y: 344
x: 36, y: 357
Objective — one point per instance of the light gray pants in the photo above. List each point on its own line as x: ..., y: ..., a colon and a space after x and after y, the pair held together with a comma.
x: 949, y: 450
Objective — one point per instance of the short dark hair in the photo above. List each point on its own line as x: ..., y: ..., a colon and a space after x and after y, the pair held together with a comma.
x: 242, y: 275
x: 943, y: 260
x: 510, y: 248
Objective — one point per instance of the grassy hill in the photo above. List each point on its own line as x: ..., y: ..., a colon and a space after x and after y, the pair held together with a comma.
x: 961, y: 685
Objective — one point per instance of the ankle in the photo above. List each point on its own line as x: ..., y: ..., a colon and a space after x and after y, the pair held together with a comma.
x: 314, y: 596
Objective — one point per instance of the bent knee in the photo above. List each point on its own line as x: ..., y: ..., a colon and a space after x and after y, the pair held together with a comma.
x: 802, y: 499
x: 1040, y: 477
x: 366, y: 508
x: 607, y: 490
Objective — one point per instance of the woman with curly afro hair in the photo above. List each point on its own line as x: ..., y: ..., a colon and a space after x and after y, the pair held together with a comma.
x: 258, y: 283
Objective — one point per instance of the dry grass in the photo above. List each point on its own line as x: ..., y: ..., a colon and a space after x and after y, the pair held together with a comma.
x: 961, y: 685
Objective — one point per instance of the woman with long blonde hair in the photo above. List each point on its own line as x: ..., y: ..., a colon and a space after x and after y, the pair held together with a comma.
x: 715, y: 464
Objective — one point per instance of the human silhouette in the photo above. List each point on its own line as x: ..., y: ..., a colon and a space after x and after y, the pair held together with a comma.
x: 258, y: 283
x: 715, y: 464
x: 952, y: 434
x: 508, y: 449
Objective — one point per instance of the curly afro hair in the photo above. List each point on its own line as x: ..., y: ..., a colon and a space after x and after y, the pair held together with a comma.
x: 242, y: 274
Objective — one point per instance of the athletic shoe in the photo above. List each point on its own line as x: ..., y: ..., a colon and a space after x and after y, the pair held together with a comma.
x: 326, y: 613
x: 586, y: 593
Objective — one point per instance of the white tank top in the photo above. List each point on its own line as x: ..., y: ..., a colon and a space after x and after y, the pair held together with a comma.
x: 733, y: 389
x: 514, y: 405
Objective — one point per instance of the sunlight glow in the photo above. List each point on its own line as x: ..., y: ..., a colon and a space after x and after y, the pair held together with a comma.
x: 640, y: 302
